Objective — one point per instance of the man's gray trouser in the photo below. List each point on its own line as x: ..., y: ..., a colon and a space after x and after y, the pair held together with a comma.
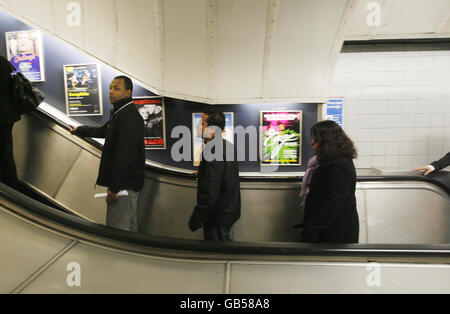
x: 123, y: 213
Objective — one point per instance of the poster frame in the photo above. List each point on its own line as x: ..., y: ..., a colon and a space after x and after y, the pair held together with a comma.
x: 194, y: 133
x: 261, y: 136
x: 41, y: 53
x: 100, y: 90
x: 163, y: 104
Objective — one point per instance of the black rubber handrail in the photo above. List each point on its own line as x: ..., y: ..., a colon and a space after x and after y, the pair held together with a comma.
x: 397, y: 41
x: 232, y: 248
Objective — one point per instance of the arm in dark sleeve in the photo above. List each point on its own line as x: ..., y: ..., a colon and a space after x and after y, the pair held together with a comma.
x: 130, y: 135
x: 442, y: 163
x: 339, y: 186
x: 95, y: 132
x: 208, y: 193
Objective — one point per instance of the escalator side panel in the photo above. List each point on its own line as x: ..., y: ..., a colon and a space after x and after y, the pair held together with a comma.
x: 24, y: 249
x: 50, y: 163
x: 340, y: 278
x: 77, y: 190
x: 268, y: 215
x: 166, y: 208
x: 408, y: 216
x: 43, y: 158
x: 362, y: 213
x: 104, y: 271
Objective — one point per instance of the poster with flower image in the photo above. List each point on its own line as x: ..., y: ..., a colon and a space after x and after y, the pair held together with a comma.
x: 281, y: 137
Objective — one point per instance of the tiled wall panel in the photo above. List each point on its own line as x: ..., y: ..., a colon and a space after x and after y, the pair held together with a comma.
x: 397, y: 102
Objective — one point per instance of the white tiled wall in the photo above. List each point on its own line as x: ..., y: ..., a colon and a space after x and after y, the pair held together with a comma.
x: 397, y: 103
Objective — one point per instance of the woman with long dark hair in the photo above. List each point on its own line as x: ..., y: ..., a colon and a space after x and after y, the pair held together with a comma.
x: 330, y: 208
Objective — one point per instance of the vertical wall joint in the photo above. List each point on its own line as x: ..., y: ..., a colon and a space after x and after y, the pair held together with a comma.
x: 271, y: 28
x: 211, y: 18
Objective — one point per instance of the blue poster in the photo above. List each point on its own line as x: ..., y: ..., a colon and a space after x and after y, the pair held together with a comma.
x: 335, y: 111
x: 24, y: 50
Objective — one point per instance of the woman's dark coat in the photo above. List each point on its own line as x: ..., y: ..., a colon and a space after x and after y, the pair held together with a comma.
x: 330, y: 208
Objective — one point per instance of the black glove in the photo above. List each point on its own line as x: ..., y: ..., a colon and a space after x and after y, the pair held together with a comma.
x: 193, y: 225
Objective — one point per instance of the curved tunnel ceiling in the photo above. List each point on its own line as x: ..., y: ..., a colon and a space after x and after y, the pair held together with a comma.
x: 230, y: 51
x: 212, y: 51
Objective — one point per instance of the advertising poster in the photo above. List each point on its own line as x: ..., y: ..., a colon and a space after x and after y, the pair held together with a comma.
x: 83, y: 90
x: 281, y: 137
x: 197, y: 141
x: 153, y: 112
x: 25, y: 52
x: 335, y: 111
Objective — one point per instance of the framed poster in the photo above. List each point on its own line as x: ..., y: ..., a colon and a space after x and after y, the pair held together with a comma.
x: 152, y: 111
x: 281, y: 137
x: 83, y: 90
x: 197, y: 141
x: 25, y: 52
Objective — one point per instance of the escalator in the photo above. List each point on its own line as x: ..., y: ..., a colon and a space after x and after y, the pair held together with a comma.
x: 394, y: 208
x: 405, y: 231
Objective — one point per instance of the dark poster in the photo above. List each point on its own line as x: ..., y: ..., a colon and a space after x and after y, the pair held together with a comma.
x: 83, y: 90
x: 153, y: 113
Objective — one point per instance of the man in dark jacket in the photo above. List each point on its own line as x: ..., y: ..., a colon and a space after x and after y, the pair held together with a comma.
x: 8, y: 116
x: 218, y: 193
x: 438, y: 165
x: 122, y: 166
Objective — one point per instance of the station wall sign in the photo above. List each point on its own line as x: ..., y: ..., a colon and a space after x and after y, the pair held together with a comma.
x: 335, y: 110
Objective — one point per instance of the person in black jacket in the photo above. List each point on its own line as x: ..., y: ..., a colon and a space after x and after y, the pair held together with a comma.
x: 122, y: 166
x: 330, y: 207
x: 218, y: 193
x: 438, y: 165
x: 8, y: 116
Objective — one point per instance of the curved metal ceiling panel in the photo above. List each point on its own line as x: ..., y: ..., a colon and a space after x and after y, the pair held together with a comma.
x: 214, y: 51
